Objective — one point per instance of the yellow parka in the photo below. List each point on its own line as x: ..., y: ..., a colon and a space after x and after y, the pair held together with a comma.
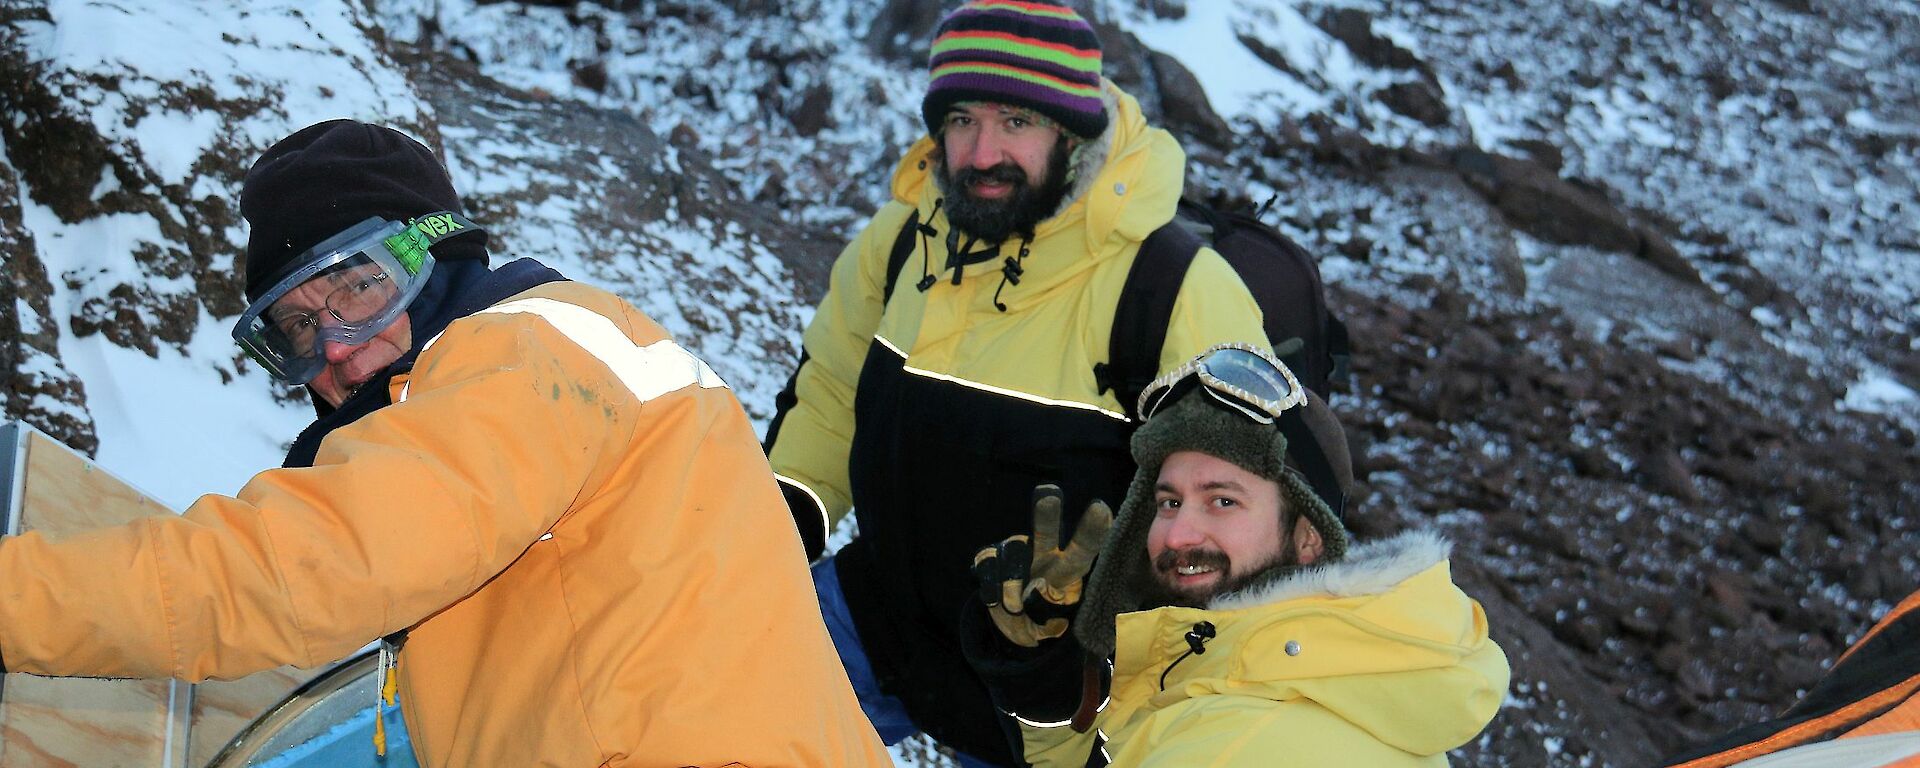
x: 1055, y: 323
x: 568, y: 510
x: 1377, y: 661
x: 936, y: 410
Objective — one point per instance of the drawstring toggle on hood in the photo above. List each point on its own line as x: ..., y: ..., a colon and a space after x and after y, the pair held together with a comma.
x: 1196, y: 644
x: 927, y: 231
x: 960, y: 256
x: 1011, y: 272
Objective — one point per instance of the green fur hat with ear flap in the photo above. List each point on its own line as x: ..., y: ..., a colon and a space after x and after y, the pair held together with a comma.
x: 1197, y: 423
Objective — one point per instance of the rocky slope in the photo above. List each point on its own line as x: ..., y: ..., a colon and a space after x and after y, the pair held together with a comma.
x: 1630, y: 283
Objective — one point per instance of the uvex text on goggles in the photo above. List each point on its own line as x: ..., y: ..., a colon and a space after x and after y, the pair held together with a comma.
x: 1250, y: 380
x: 362, y: 278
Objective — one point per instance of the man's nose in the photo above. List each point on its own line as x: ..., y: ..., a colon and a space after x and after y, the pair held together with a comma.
x: 1186, y: 531
x: 337, y: 351
x: 986, y: 151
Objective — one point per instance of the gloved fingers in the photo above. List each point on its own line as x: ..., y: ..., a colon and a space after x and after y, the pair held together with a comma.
x: 1012, y: 597
x: 1063, y: 595
x: 1022, y: 631
x: 986, y: 574
x: 1088, y: 538
x: 1046, y: 518
x: 1019, y: 629
x: 1014, y: 558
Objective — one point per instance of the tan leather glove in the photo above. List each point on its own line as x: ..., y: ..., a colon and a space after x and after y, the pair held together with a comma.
x: 1030, y: 585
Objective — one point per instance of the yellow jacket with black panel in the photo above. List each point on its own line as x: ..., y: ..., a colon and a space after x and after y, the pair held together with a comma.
x: 568, y: 511
x: 933, y: 415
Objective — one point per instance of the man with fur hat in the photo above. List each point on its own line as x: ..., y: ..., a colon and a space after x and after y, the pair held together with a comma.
x: 557, y: 517
x: 957, y: 359
x: 1242, y: 625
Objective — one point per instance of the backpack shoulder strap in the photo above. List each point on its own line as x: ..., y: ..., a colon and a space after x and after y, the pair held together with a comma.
x: 1340, y: 350
x: 1144, y: 311
x: 897, y: 258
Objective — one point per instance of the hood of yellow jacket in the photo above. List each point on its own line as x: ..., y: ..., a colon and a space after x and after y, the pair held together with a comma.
x: 1126, y: 183
x: 1383, y: 639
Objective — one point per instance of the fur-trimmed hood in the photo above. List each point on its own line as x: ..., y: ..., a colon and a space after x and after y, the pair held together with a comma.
x: 1372, y: 568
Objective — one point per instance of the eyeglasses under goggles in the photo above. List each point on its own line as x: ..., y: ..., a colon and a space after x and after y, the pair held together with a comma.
x: 347, y: 289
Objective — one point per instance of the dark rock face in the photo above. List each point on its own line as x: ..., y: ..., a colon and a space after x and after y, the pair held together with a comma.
x: 37, y: 390
x: 1168, y: 9
x: 1184, y: 103
x: 814, y: 113
x: 1354, y: 29
x: 1537, y: 200
x: 902, y: 30
x: 1420, y: 97
x: 1553, y: 209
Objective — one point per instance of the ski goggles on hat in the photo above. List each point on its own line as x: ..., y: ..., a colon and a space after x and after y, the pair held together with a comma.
x: 347, y: 289
x: 1240, y: 376
x: 1250, y: 380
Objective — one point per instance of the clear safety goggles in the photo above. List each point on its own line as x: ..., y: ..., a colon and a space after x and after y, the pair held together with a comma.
x: 1241, y: 376
x: 347, y: 289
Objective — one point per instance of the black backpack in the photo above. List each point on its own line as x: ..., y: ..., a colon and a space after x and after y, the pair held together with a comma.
x: 1283, y: 278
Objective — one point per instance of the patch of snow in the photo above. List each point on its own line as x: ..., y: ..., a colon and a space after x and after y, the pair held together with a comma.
x: 1877, y: 392
x: 1233, y: 77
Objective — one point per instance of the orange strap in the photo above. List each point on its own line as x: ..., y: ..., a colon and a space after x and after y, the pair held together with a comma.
x: 1813, y: 729
x: 1902, y: 718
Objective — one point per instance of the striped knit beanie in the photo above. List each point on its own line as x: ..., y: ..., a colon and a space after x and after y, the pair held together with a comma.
x: 1036, y: 55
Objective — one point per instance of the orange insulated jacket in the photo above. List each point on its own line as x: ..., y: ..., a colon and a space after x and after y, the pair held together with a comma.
x: 567, y: 510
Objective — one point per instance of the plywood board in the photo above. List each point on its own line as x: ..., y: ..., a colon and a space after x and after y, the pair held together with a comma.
x: 77, y: 721
x: 58, y: 721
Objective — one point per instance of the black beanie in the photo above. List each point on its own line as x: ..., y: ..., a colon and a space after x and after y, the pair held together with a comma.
x: 330, y: 176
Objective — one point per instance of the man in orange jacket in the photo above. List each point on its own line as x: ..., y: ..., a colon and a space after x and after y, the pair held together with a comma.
x: 559, y: 517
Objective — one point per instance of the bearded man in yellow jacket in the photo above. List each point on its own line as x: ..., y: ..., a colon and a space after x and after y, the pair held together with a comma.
x: 556, y: 515
x: 957, y: 360
x: 1243, y: 629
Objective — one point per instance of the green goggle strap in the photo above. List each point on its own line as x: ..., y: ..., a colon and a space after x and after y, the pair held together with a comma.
x: 410, y: 246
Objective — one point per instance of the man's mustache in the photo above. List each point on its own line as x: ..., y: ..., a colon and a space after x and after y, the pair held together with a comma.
x: 1004, y: 173
x: 1209, y: 558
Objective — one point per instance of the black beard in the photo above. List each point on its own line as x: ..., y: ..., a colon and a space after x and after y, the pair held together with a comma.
x: 994, y: 221
x: 1154, y: 589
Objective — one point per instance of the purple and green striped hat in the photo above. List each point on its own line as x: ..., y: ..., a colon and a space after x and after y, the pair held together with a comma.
x: 1036, y: 55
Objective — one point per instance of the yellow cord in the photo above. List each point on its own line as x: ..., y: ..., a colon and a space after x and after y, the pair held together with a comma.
x: 389, y: 692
